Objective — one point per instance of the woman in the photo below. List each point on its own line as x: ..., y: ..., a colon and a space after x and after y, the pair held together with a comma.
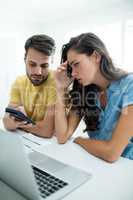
x: 101, y: 95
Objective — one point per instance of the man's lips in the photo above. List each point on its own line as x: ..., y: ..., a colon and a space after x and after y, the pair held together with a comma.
x: 36, y: 77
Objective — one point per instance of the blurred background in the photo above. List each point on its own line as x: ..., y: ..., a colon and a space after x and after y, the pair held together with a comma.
x: 111, y: 20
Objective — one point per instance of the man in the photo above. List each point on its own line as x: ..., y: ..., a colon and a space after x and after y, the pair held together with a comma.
x: 34, y: 93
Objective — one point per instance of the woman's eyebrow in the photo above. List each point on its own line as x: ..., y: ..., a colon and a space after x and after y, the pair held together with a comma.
x: 72, y: 62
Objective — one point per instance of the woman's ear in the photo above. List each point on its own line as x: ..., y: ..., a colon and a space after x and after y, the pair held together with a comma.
x: 97, y: 56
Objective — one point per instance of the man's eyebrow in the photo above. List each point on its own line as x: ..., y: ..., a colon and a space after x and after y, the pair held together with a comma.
x: 45, y: 64
x: 32, y: 61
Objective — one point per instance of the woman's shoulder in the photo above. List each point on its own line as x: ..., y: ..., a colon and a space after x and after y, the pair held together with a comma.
x: 126, y: 80
x: 122, y: 84
x: 128, y: 77
x: 126, y: 83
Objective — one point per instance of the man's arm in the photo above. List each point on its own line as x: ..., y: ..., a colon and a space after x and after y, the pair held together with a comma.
x: 111, y: 150
x: 43, y: 128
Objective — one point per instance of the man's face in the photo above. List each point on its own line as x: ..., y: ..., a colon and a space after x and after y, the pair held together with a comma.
x: 37, y: 65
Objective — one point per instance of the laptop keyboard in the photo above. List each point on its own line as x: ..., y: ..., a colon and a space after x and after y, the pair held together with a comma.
x: 48, y: 184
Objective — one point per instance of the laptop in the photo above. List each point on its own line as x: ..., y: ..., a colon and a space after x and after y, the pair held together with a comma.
x: 36, y: 176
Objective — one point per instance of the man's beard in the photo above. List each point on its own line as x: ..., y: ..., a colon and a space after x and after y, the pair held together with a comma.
x: 37, y: 79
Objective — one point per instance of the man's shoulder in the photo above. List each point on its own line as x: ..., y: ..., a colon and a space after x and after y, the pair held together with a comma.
x: 21, y: 82
x: 50, y: 79
x: 21, y: 78
x: 51, y: 74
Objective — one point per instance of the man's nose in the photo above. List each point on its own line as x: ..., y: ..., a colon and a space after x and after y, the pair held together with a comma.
x: 38, y: 70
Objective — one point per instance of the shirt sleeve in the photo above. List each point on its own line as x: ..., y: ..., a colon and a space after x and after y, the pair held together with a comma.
x: 51, y: 96
x: 15, y: 93
x: 128, y: 94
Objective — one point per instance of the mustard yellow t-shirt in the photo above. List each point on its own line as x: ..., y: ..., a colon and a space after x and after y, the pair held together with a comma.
x: 35, y: 99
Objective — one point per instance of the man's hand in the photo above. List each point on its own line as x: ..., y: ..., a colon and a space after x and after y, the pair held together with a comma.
x: 27, y: 127
x: 21, y: 108
x: 10, y: 123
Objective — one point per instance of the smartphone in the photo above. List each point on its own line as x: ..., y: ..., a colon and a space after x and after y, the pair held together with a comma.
x: 19, y: 115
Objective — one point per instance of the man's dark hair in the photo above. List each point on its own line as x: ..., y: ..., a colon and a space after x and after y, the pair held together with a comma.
x: 42, y: 43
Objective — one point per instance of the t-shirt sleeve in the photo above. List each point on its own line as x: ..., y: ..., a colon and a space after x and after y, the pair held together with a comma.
x: 51, y: 95
x: 15, y: 93
x: 128, y: 94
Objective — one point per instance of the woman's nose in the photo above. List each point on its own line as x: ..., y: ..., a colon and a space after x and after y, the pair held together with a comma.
x: 74, y: 73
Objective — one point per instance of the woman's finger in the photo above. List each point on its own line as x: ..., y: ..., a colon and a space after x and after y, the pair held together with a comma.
x: 61, y: 68
x: 64, y: 64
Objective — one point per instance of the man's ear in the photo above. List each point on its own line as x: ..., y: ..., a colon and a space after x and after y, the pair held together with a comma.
x: 25, y: 57
x: 97, y: 56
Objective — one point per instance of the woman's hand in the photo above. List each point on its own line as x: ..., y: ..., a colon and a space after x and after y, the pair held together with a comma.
x: 77, y: 140
x: 61, y: 78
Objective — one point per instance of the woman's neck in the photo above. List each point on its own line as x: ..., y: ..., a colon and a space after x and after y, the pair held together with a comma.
x: 102, y: 82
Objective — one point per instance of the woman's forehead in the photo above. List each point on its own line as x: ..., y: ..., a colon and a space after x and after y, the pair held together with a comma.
x: 73, y: 56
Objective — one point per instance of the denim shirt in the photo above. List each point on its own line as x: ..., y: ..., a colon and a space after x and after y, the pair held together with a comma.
x: 119, y: 95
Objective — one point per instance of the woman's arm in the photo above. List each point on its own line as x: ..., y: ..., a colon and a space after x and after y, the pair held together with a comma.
x: 65, y: 124
x: 112, y: 149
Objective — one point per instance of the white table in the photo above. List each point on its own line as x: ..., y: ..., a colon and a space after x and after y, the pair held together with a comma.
x: 109, y: 181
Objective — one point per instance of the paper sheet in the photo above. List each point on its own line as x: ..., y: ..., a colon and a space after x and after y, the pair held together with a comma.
x: 33, y: 142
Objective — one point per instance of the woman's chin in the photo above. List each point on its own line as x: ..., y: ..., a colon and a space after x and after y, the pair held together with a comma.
x: 83, y: 82
x: 86, y: 83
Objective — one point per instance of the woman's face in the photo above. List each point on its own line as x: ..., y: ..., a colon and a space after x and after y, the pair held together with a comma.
x: 84, y: 68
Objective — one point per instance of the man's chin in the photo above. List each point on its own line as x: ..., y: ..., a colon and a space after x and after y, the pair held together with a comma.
x: 37, y: 82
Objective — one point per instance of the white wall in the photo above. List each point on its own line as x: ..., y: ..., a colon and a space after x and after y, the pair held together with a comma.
x: 112, y: 28
x: 110, y: 23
